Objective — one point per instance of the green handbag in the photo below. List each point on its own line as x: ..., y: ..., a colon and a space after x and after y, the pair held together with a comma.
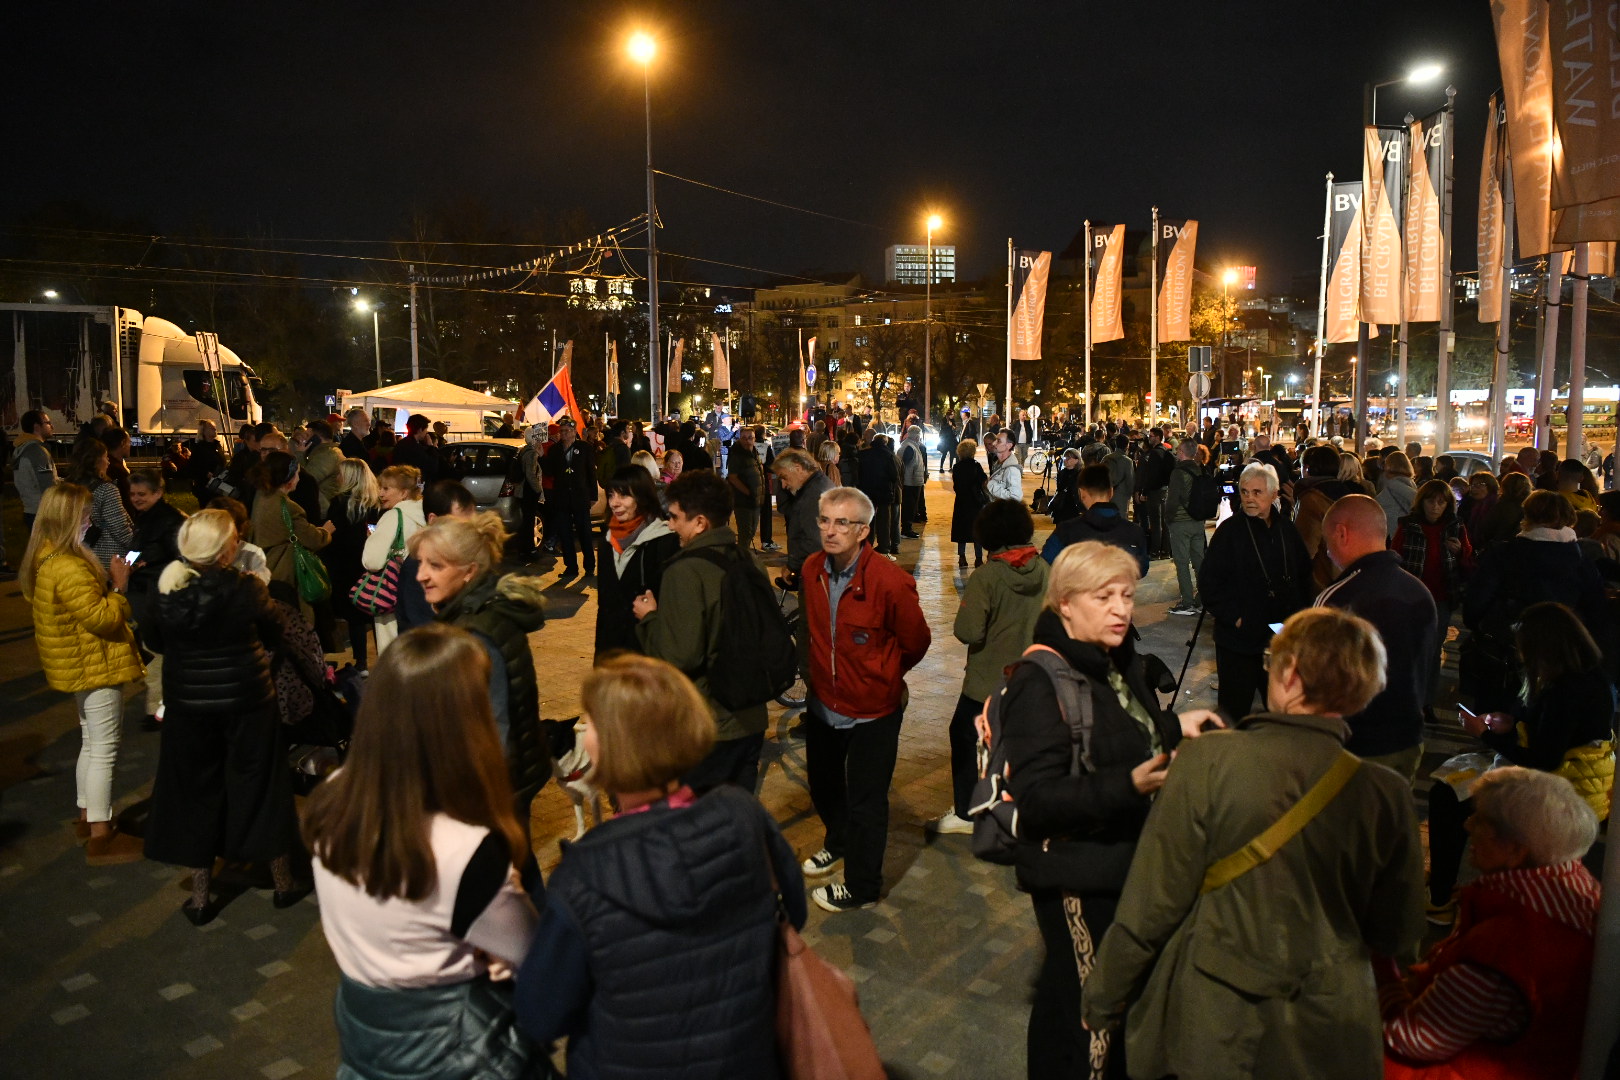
x: 314, y: 585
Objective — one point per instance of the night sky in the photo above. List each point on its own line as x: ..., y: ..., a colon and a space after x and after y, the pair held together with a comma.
x: 338, y: 120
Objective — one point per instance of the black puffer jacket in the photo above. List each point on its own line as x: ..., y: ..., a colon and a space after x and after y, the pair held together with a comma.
x: 674, y: 912
x: 157, y: 534
x: 505, y: 611
x: 216, y: 636
x: 1079, y: 832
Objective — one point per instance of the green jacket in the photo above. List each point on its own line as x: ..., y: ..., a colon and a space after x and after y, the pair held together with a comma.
x: 1269, y: 975
x: 996, y: 619
x: 1181, y: 478
x: 685, y: 629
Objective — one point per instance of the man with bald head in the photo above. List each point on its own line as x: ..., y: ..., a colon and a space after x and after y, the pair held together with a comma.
x: 1373, y: 584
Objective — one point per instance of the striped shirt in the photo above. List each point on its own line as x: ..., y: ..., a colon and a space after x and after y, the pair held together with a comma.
x: 1467, y: 1002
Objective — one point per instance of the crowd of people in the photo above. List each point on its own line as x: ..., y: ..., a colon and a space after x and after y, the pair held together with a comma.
x: 1219, y: 891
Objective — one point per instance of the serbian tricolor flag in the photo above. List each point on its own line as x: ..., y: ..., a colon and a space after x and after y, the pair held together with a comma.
x: 554, y: 401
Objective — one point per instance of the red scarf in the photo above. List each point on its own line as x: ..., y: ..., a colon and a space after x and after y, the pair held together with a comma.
x: 1017, y: 557
x: 677, y: 800
x: 620, y: 531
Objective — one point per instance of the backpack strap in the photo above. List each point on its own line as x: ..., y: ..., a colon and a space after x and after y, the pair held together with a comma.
x: 1074, y: 701
x: 1263, y: 847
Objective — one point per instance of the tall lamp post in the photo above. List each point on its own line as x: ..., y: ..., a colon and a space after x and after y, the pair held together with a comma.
x: 1266, y: 375
x: 1423, y: 73
x: 642, y: 50
x: 934, y: 222
x: 364, y: 306
x: 1227, y: 278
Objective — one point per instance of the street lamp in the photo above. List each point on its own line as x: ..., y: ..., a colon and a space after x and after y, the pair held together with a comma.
x: 49, y: 294
x: 1266, y: 375
x: 363, y: 306
x: 642, y: 50
x: 934, y: 222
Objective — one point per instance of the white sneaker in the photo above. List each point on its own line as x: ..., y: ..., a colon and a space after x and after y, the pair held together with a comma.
x: 821, y: 863
x: 837, y: 897
x: 949, y: 824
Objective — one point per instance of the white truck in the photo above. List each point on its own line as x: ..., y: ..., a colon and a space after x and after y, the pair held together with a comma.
x: 70, y: 359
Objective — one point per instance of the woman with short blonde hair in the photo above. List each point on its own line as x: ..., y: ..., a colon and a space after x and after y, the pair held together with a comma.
x: 1078, y: 825
x: 612, y: 960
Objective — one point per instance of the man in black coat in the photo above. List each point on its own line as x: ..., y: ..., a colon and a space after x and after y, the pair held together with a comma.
x: 1255, y: 574
x: 1101, y: 521
x: 1373, y: 584
x: 1152, y: 482
x: 207, y: 460
x: 357, y: 442
x: 417, y: 448
x: 572, y: 468
x: 157, y: 539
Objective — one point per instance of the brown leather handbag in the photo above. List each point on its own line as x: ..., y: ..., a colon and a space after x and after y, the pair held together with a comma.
x: 820, y: 1033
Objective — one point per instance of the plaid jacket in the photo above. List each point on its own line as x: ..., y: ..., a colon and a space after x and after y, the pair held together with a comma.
x: 1411, y: 540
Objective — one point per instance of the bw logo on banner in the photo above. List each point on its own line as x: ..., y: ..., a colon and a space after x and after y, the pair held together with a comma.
x: 1030, y: 272
x: 1177, y: 242
x: 1105, y: 266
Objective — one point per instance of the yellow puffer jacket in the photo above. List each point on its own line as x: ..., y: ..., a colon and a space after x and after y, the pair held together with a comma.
x: 81, y: 627
x: 1588, y: 768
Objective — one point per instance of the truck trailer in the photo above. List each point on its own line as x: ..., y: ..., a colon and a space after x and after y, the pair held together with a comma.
x: 71, y: 359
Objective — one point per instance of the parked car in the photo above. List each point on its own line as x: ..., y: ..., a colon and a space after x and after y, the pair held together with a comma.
x: 1470, y: 462
x: 489, y: 469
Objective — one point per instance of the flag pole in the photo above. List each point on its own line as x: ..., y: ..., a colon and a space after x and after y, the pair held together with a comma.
x: 1552, y: 302
x: 607, y: 381
x: 1448, y: 336
x: 1406, y: 247
x: 1086, y: 300
x: 1504, y: 326
x: 1577, y: 353
x: 1315, y: 427
x: 1008, y: 398
x: 1153, y: 325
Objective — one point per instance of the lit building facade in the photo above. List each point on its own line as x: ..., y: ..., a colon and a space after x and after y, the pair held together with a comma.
x: 908, y: 263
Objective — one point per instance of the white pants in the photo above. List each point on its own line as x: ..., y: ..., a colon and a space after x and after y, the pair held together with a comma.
x: 386, y: 628
x: 99, y: 714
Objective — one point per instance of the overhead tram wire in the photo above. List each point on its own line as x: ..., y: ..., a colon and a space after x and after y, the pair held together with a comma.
x: 773, y: 202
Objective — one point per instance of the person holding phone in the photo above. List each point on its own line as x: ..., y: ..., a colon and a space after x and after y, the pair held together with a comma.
x: 1562, y: 726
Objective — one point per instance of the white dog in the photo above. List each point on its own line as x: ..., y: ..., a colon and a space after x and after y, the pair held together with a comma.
x: 569, y: 764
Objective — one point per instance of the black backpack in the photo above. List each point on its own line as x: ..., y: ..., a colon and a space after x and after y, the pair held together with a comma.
x: 1204, y: 496
x: 757, y: 659
x: 993, y: 810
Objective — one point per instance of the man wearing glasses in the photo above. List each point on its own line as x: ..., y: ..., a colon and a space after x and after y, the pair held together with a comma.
x: 866, y: 630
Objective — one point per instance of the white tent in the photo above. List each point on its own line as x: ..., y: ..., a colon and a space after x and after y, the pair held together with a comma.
x: 436, y: 399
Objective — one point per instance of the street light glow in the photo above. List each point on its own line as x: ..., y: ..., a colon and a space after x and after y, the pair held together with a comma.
x: 642, y: 47
x: 1425, y: 73
x: 362, y: 306
x: 934, y: 222
x: 1229, y: 277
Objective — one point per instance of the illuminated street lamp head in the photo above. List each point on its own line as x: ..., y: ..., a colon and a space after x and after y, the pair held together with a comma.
x: 1229, y: 277
x: 642, y: 47
x: 362, y: 305
x: 934, y: 222
x: 50, y: 294
x: 1425, y: 73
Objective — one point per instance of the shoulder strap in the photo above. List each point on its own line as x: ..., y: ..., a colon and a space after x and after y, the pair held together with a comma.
x: 398, y: 546
x: 1074, y: 700
x: 1285, y: 828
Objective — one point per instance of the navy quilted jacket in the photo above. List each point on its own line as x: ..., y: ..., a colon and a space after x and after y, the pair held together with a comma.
x: 656, y: 950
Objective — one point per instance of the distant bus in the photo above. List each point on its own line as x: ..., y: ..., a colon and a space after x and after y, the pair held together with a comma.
x: 1594, y: 414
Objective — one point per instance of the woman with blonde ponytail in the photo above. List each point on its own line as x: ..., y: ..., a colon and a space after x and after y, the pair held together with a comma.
x: 458, y: 573
x: 222, y: 788
x: 81, y: 627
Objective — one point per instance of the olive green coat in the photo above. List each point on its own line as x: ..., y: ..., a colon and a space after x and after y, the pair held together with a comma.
x: 1269, y: 975
x: 685, y: 629
x: 996, y: 619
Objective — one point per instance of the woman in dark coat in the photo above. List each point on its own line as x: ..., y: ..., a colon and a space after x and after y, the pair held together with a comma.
x: 457, y: 561
x: 222, y: 787
x: 656, y: 949
x: 1078, y: 831
x: 353, y: 513
x: 631, y: 558
x: 880, y: 480
x: 968, y: 480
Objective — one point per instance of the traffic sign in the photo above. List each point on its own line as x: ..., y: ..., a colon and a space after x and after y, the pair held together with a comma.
x: 810, y: 375
x: 1198, y: 385
x: 982, y: 388
x: 1034, y: 412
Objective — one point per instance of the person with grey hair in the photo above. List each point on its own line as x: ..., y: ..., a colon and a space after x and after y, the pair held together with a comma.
x: 1506, y: 993
x: 866, y: 629
x: 1255, y: 574
x: 1187, y: 537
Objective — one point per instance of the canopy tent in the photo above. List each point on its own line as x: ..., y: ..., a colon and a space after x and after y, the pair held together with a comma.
x: 462, y: 409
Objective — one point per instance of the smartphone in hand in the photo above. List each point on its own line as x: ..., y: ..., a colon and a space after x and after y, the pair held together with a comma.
x: 132, y: 557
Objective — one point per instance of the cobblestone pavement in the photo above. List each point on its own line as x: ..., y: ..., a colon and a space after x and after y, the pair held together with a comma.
x: 104, y: 978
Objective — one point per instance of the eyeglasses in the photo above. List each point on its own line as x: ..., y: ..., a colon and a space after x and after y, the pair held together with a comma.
x: 841, y: 524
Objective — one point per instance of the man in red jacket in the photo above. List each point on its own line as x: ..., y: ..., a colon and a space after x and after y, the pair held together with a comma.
x: 866, y: 631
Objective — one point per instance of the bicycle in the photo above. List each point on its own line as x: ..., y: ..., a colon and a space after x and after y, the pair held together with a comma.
x: 1037, y: 461
x: 795, y: 696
